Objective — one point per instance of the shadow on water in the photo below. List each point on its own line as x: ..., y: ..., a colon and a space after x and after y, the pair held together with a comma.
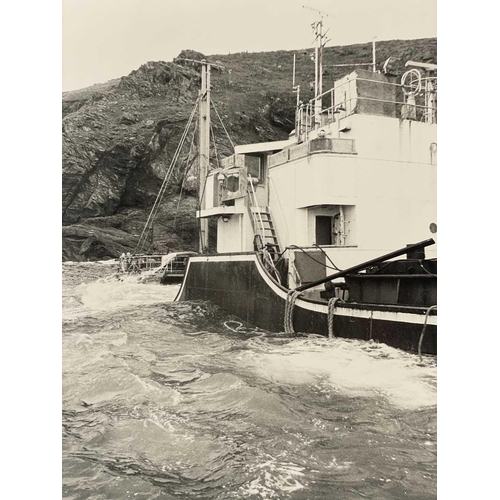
x: 176, y: 400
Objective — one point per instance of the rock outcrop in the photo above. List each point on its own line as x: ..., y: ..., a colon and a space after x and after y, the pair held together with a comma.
x: 119, y: 139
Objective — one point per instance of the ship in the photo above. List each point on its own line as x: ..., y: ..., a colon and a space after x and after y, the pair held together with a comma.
x: 332, y: 231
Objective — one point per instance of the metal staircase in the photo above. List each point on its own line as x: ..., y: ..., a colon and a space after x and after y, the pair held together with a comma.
x: 262, y: 224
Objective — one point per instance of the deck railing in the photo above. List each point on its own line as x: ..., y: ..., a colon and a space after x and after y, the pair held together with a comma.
x: 402, y: 102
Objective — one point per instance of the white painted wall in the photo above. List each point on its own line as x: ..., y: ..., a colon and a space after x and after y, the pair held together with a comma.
x: 235, y: 235
x: 391, y: 181
x: 229, y: 234
x: 209, y: 191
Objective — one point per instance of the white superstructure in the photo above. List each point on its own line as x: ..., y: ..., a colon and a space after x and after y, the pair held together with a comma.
x: 357, y: 177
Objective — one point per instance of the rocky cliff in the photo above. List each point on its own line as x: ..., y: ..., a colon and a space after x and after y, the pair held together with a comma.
x: 119, y: 138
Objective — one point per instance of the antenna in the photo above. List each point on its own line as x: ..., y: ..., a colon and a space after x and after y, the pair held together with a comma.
x: 320, y: 42
x: 318, y: 67
x: 320, y: 12
x: 295, y: 88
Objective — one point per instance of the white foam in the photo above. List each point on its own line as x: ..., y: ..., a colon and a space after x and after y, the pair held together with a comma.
x: 107, y: 295
x: 353, y: 367
x: 273, y: 478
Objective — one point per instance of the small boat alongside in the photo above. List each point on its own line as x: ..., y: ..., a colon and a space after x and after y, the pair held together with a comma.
x: 165, y: 269
x: 138, y: 263
x: 173, y: 267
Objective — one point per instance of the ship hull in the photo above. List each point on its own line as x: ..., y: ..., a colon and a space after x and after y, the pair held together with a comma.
x: 240, y: 285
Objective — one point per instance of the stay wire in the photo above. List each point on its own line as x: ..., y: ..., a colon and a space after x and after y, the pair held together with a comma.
x: 327, y: 256
x: 154, y: 210
x: 188, y: 165
x: 215, y: 145
x: 161, y: 193
x: 223, y: 126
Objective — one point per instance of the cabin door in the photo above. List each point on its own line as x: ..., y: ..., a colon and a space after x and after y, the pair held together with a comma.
x: 323, y: 230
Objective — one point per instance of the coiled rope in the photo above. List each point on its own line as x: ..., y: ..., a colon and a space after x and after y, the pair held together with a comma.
x: 291, y: 297
x: 331, y: 313
x: 423, y: 330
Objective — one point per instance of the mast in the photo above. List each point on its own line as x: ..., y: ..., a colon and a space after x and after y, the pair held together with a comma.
x: 318, y: 71
x: 320, y: 42
x: 203, y: 143
x: 204, y: 146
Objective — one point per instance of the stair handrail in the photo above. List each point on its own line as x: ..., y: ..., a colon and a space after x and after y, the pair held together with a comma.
x: 280, y: 211
x: 251, y: 214
x: 254, y: 204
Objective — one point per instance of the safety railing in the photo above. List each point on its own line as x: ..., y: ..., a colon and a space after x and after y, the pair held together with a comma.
x: 414, y: 101
x: 255, y: 214
x: 139, y: 262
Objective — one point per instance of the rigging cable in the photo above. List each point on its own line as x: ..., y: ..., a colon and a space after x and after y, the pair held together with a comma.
x: 156, y: 205
x: 328, y: 257
x: 220, y: 119
x: 317, y: 261
x: 215, y: 145
x: 188, y: 165
x: 423, y: 330
x: 163, y: 188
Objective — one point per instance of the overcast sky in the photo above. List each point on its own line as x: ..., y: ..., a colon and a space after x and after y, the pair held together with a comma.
x: 105, y: 39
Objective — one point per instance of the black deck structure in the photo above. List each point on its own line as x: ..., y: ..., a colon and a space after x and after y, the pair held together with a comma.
x: 240, y: 284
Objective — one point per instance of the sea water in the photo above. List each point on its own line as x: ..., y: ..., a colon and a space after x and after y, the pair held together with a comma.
x: 168, y: 400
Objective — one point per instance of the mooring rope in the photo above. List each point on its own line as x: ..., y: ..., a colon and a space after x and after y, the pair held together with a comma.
x: 423, y: 331
x: 291, y: 297
x: 331, y: 313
